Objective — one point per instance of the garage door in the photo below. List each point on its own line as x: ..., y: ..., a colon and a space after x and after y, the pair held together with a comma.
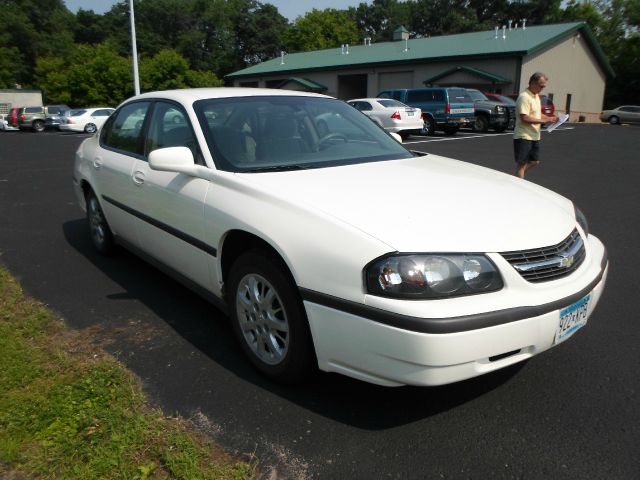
x: 389, y: 80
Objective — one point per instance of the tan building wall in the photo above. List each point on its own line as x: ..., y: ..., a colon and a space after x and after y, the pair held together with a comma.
x: 572, y: 70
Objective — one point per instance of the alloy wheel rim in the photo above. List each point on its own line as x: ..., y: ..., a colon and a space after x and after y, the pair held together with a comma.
x: 262, y: 319
x: 96, y: 222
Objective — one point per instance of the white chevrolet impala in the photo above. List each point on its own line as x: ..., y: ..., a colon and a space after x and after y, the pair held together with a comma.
x: 336, y: 247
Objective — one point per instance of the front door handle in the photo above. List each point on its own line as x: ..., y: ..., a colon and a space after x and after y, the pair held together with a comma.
x: 138, y: 177
x: 97, y: 163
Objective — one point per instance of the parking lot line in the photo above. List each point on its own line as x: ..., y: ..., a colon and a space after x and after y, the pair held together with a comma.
x: 466, y: 137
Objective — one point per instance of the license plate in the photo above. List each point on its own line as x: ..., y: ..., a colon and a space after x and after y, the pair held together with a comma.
x: 572, y: 319
x: 409, y: 113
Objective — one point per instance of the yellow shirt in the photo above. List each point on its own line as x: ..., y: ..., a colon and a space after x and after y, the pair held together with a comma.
x: 528, y: 103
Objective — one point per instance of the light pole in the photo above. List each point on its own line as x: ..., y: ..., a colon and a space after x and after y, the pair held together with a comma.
x: 134, y: 49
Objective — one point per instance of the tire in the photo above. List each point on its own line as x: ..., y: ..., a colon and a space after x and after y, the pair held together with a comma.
x: 269, y: 319
x: 449, y: 131
x: 99, y: 231
x: 429, y: 126
x: 613, y: 120
x: 481, y: 124
x: 90, y: 128
x: 404, y: 134
x: 38, y: 126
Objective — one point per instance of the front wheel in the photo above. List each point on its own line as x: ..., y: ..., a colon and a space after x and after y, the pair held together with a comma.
x: 613, y: 120
x: 268, y: 317
x: 481, y: 124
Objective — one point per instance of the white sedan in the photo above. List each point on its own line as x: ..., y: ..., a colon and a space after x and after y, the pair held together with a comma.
x: 4, y: 124
x: 87, y: 120
x: 338, y: 248
x: 390, y: 114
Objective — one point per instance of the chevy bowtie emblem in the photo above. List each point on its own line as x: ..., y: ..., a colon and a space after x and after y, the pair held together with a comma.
x: 566, y: 262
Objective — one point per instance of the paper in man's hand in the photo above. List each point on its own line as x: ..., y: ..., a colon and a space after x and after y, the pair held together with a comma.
x: 561, y: 119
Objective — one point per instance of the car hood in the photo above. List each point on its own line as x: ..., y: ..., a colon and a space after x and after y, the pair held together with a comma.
x: 430, y: 203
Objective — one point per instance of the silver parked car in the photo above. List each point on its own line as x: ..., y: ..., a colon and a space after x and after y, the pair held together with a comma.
x: 390, y: 114
x: 623, y: 114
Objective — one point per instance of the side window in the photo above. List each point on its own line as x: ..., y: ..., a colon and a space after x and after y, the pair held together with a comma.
x: 397, y: 95
x: 365, y: 106
x: 420, y: 96
x: 123, y: 131
x: 170, y: 127
x: 438, y: 95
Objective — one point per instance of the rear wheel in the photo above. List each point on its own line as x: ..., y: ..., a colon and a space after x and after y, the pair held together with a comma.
x: 99, y: 230
x: 429, y: 127
x: 613, y: 120
x: 38, y: 126
x: 268, y: 317
x: 448, y: 130
x: 90, y: 128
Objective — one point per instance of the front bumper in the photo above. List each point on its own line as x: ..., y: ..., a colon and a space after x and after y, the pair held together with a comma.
x: 394, y: 353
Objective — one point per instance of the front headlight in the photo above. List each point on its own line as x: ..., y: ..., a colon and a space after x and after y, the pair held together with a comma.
x: 429, y: 276
x: 582, y: 220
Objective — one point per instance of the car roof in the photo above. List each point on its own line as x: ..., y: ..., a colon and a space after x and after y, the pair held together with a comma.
x: 190, y: 95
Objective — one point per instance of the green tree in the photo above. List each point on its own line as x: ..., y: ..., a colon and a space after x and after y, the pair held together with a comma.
x: 92, y: 75
x: 168, y: 70
x: 379, y: 20
x: 321, y: 29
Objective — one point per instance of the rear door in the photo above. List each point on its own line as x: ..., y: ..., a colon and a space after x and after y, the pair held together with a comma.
x: 460, y: 105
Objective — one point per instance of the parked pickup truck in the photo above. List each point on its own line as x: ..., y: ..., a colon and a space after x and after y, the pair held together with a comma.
x: 488, y: 113
x: 443, y: 108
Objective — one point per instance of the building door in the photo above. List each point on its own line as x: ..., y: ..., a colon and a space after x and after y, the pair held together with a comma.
x: 352, y: 86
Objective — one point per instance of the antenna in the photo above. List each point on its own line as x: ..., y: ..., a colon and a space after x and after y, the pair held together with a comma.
x: 282, y: 54
x: 524, y: 23
x: 504, y: 32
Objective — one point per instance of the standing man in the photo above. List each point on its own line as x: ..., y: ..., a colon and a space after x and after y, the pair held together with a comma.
x: 529, y: 118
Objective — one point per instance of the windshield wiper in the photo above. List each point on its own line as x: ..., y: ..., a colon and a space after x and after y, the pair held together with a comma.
x: 276, y: 168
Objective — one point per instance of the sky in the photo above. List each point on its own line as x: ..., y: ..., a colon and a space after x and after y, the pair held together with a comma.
x: 288, y: 8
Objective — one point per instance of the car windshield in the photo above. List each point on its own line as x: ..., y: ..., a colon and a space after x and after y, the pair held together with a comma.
x: 507, y: 100
x: 270, y: 133
x: 477, y: 96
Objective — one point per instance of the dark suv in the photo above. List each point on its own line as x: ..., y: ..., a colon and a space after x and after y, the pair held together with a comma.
x: 443, y: 108
x: 488, y: 113
x: 39, y: 118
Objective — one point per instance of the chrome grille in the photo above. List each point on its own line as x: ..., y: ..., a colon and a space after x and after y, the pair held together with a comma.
x: 548, y: 263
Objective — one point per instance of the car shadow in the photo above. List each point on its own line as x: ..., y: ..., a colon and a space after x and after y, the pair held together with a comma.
x: 334, y: 396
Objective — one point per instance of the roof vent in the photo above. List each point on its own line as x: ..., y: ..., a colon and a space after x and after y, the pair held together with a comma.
x: 400, y: 33
x: 367, y: 41
x: 524, y: 23
x: 282, y: 54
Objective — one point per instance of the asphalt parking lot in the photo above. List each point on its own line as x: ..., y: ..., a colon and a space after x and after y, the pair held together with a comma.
x: 572, y: 412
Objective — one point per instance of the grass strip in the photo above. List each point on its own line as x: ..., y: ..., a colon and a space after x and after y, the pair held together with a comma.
x: 68, y: 410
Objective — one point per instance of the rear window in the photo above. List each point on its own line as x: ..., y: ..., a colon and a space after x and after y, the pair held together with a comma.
x: 391, y: 103
x: 457, y: 95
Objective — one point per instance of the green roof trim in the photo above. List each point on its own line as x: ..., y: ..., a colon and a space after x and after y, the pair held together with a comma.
x: 518, y: 42
x: 475, y: 71
x: 306, y: 83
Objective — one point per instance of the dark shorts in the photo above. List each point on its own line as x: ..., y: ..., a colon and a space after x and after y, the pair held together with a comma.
x: 526, y: 150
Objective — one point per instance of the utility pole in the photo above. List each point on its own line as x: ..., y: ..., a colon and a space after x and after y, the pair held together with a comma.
x: 134, y: 50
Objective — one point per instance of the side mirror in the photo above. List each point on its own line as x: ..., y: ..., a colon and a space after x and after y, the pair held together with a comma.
x: 396, y: 137
x: 173, y: 159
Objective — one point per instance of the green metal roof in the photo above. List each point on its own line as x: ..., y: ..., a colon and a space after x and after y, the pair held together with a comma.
x: 306, y: 83
x: 484, y: 44
x: 476, y: 71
